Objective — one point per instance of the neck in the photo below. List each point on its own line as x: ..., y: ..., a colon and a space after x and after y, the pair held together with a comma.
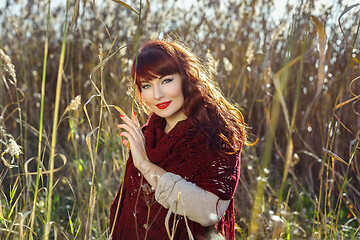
x: 172, y: 121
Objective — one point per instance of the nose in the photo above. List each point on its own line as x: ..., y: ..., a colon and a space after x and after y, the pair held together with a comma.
x: 158, y: 93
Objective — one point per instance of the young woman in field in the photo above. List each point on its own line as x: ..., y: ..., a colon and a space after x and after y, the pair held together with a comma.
x: 186, y: 159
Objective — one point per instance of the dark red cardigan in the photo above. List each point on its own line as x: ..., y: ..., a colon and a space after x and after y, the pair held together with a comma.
x: 181, y: 151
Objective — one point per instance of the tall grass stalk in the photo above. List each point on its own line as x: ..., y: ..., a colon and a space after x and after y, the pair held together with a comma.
x: 92, y: 188
x: 322, y: 44
x: 46, y: 46
x: 136, y: 60
x: 54, y: 130
x: 92, y: 199
x: 269, y: 140
x: 280, y: 80
x: 132, y: 109
x: 290, y: 144
x: 22, y: 140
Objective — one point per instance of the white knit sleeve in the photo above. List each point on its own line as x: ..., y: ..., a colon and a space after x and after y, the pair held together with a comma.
x: 196, y: 203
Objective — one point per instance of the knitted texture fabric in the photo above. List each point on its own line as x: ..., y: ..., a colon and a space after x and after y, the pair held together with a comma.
x: 181, y: 151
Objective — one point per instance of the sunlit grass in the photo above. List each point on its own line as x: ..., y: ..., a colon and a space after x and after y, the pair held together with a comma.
x: 297, y: 86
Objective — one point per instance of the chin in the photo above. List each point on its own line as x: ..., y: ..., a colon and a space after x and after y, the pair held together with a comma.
x: 163, y: 115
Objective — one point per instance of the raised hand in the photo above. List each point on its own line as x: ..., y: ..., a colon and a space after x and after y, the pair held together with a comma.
x: 132, y: 132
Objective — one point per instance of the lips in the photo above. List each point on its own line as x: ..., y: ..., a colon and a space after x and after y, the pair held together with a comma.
x: 163, y: 105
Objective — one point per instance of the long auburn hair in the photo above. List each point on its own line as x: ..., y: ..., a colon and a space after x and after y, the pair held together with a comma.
x: 204, y: 102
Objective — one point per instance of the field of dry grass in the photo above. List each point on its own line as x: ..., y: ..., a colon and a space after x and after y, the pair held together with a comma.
x: 65, y: 75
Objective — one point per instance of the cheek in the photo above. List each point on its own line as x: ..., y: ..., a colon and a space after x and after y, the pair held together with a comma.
x: 176, y: 91
x: 146, y: 96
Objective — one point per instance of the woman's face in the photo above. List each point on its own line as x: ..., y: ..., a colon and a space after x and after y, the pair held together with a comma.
x: 165, y: 97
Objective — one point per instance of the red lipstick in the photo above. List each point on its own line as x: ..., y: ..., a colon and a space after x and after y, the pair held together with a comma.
x: 163, y: 105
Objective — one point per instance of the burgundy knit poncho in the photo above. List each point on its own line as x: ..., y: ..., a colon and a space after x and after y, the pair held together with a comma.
x: 181, y: 151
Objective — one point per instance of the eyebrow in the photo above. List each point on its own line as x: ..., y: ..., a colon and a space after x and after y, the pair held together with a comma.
x: 162, y: 77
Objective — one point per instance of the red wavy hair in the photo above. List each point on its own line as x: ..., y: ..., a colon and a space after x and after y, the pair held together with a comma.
x: 204, y: 102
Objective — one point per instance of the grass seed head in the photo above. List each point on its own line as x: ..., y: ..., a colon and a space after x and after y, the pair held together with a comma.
x: 212, y: 63
x: 250, y: 53
x: 101, y: 53
x: 227, y: 64
x: 13, y: 149
x: 7, y: 65
x: 2, y: 127
x: 74, y: 104
x: 277, y: 34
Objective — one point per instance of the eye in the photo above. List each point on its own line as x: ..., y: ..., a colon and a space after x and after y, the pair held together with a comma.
x: 145, y: 86
x: 167, y: 80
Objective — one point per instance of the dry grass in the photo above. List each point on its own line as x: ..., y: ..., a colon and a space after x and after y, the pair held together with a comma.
x: 297, y: 82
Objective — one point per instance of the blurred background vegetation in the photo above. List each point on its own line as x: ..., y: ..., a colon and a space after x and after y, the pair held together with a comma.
x: 293, y: 71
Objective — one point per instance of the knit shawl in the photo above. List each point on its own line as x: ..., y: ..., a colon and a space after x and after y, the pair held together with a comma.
x: 181, y: 151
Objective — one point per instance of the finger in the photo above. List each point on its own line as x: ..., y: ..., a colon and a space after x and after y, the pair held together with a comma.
x: 128, y: 121
x: 125, y: 142
x: 137, y: 138
x: 129, y: 129
x: 135, y: 119
x: 128, y: 136
x: 132, y: 124
x: 121, y: 115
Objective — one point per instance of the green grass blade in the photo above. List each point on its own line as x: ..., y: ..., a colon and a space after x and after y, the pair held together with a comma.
x: 46, y: 47
x: 54, y: 130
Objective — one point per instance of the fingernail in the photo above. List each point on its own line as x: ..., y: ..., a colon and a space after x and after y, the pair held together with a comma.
x: 119, y: 134
x: 121, y: 115
x: 134, y: 113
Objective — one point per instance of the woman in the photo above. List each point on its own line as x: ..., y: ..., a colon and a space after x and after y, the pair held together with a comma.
x: 186, y: 159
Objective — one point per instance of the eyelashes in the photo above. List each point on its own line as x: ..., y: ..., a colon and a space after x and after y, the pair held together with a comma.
x: 167, y: 80
x: 145, y: 86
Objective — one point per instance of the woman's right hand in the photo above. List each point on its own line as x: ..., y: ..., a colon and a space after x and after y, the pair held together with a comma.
x: 136, y: 139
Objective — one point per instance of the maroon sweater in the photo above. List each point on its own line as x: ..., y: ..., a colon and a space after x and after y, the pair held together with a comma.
x: 182, y: 151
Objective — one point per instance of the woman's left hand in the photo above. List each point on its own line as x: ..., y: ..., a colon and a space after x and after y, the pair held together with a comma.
x: 136, y: 139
